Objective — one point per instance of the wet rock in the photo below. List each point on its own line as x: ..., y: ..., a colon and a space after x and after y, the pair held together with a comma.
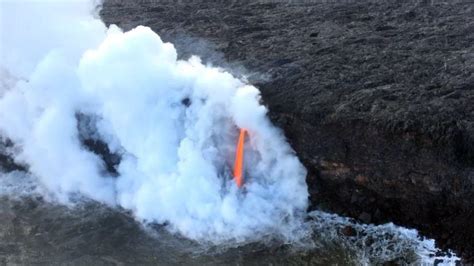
x: 378, y: 216
x: 7, y: 164
x: 365, y: 217
x: 348, y: 231
x: 92, y: 141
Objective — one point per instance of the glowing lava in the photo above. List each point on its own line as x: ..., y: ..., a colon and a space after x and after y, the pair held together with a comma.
x: 239, y: 159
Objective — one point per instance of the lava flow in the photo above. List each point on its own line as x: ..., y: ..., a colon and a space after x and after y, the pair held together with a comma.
x: 239, y: 159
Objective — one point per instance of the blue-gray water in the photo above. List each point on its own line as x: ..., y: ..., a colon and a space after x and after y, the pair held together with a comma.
x: 39, y: 231
x: 36, y: 232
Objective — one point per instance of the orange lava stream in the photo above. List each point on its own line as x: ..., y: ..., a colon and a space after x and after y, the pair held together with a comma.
x: 239, y: 159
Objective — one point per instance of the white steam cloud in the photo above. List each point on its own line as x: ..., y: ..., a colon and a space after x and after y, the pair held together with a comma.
x: 174, y: 122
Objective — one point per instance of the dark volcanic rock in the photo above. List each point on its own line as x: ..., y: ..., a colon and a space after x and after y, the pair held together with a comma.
x: 7, y: 163
x: 348, y: 231
x: 376, y: 97
x: 93, y: 142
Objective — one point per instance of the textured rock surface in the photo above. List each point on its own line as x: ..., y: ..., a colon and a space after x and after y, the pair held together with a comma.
x: 375, y: 97
x: 7, y: 164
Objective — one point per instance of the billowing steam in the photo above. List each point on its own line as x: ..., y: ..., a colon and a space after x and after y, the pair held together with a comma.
x: 173, y: 123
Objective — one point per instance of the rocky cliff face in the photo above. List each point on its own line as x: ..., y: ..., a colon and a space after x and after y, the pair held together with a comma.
x: 376, y: 97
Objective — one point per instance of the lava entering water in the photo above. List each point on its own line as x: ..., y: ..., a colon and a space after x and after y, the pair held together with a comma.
x: 239, y: 159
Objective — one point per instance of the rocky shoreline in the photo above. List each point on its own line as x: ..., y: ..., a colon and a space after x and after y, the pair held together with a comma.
x: 375, y: 97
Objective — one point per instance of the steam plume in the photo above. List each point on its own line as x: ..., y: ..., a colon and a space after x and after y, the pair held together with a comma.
x: 174, y: 124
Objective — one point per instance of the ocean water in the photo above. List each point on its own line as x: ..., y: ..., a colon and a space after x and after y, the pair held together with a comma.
x: 37, y: 231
